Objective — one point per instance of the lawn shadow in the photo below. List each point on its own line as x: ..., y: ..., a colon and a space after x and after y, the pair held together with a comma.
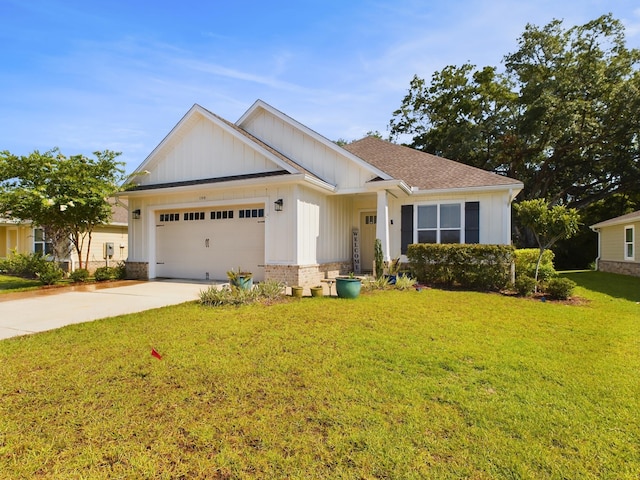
x: 612, y: 284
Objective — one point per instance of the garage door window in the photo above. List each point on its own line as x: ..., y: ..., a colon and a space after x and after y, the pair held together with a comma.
x: 221, y: 214
x: 169, y: 217
x: 251, y: 213
x: 194, y: 216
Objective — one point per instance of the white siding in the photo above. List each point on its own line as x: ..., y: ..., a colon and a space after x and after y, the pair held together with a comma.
x: 313, y: 155
x: 203, y: 149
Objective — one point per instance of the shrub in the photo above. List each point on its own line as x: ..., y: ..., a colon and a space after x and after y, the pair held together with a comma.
x: 79, y: 275
x: 270, y: 290
x: 560, y: 288
x: 120, y: 271
x: 525, y: 285
x: 267, y: 291
x: 478, y: 267
x: 49, y: 273
x: 103, y: 274
x: 23, y: 265
x: 405, y: 282
x: 526, y: 259
x: 379, y: 283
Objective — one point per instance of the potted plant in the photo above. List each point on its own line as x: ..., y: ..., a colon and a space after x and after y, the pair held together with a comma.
x: 317, y: 291
x: 348, y: 287
x: 296, y: 292
x: 240, y: 279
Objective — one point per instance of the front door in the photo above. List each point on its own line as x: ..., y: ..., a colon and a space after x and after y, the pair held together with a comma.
x: 368, y: 222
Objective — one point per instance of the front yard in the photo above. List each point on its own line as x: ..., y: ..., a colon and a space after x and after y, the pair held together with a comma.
x: 429, y: 384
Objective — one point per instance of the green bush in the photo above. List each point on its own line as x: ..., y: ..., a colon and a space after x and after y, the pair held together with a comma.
x: 270, y: 290
x: 525, y: 285
x: 560, y: 288
x: 79, y: 276
x: 49, y: 273
x: 477, y: 267
x: 405, y: 282
x: 526, y: 259
x: 378, y: 283
x: 23, y: 265
x: 102, y: 274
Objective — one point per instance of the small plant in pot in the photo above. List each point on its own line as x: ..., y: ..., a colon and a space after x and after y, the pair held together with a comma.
x: 317, y: 291
x: 240, y: 279
x: 348, y: 287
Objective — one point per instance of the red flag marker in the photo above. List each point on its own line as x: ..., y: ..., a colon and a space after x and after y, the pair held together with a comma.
x: 156, y: 354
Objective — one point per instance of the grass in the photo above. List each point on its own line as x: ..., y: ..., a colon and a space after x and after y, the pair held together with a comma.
x: 9, y: 283
x: 430, y: 384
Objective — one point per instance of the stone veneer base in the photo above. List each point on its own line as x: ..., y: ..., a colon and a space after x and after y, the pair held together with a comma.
x: 623, y: 268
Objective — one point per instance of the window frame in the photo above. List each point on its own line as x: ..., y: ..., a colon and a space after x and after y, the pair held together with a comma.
x: 631, y: 243
x: 47, y: 247
x: 438, y: 229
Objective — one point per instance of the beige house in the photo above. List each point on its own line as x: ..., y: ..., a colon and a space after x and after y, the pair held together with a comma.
x: 618, y: 240
x: 269, y: 195
x: 23, y: 237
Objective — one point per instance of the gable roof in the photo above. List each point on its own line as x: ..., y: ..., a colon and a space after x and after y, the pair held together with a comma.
x: 629, y: 217
x: 424, y: 171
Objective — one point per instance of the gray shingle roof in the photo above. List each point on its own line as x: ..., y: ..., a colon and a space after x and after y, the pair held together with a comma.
x: 629, y: 217
x: 423, y: 170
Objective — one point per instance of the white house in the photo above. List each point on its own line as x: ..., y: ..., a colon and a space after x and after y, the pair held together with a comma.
x: 270, y: 195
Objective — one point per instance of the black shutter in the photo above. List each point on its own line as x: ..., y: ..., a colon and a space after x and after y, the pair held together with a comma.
x: 406, y: 228
x: 472, y: 222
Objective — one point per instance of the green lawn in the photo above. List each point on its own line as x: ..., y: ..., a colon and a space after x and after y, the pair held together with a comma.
x: 9, y: 283
x: 431, y: 384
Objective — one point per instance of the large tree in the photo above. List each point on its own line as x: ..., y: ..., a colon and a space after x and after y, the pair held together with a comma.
x: 562, y: 116
x: 66, y: 196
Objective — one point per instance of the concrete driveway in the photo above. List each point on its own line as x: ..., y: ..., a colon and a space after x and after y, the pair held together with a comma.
x: 30, y: 312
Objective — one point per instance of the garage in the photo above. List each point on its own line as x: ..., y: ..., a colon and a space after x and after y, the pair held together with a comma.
x: 205, y: 243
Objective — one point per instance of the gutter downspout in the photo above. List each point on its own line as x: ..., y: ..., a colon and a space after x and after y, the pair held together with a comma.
x: 597, y: 230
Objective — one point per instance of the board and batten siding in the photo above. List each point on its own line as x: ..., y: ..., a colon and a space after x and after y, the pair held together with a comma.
x: 324, y: 226
x: 204, y: 150
x: 310, y: 153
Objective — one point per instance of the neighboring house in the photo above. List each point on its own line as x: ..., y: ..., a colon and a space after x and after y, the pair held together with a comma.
x: 618, y: 241
x: 269, y: 195
x: 23, y: 237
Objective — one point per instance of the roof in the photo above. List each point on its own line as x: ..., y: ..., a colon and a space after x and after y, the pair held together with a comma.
x: 422, y: 170
x: 629, y: 217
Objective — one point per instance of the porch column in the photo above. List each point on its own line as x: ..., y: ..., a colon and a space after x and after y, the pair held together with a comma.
x: 382, y: 224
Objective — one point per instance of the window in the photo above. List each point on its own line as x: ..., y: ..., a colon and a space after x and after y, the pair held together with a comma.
x: 40, y: 243
x: 169, y: 217
x: 193, y: 216
x: 251, y: 213
x: 221, y: 214
x: 370, y: 219
x: 440, y: 223
x: 628, y: 243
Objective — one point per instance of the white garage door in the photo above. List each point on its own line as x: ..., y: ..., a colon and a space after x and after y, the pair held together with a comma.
x: 206, y: 243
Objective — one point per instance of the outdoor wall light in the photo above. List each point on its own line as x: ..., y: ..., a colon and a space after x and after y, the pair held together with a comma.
x: 278, y: 205
x: 136, y: 214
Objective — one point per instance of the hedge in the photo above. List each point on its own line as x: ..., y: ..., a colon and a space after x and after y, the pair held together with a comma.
x: 476, y: 267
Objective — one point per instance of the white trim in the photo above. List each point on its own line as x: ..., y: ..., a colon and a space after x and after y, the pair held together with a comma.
x: 513, y: 189
x: 632, y: 243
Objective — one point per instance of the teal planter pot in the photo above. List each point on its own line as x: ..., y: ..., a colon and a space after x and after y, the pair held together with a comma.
x: 348, y: 287
x: 245, y: 283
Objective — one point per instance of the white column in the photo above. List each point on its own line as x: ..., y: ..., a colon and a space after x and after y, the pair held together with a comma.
x: 382, y: 224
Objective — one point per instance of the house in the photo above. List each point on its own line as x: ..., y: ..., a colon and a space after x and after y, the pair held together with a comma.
x: 270, y: 195
x: 23, y: 237
x: 618, y: 240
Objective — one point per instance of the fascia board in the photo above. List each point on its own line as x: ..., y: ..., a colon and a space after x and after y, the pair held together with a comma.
x: 514, y: 188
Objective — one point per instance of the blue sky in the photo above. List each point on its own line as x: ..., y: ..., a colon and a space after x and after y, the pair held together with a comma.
x: 90, y: 75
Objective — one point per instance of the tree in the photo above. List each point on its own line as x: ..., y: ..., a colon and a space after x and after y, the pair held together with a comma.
x: 562, y: 117
x: 66, y: 196
x: 548, y: 224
